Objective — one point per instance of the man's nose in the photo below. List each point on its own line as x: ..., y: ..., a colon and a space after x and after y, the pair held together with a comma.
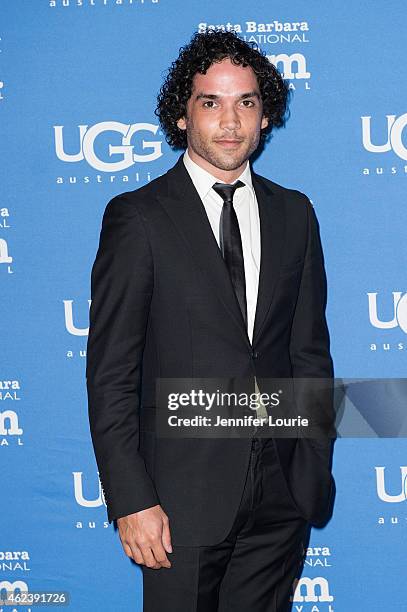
x: 229, y: 119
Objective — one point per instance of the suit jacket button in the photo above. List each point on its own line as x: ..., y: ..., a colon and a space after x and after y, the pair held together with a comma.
x: 255, y: 354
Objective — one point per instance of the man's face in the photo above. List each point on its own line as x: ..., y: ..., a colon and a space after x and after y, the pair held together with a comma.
x: 224, y: 118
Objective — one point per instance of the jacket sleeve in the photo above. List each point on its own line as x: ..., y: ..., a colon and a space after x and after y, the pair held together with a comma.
x: 122, y: 281
x: 310, y: 341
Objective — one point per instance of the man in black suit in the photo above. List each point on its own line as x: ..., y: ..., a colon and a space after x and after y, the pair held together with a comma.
x: 211, y: 272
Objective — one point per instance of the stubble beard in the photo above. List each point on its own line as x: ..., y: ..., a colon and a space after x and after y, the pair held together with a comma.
x: 224, y: 160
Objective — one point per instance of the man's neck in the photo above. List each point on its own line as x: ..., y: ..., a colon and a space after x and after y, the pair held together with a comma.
x: 225, y: 176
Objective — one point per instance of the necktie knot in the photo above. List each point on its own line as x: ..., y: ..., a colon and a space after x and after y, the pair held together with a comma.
x: 227, y: 191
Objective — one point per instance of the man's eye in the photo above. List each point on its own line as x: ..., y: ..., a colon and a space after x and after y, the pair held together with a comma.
x: 209, y: 104
x: 247, y: 103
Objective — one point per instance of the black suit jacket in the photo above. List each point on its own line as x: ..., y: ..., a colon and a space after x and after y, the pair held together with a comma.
x: 163, y: 306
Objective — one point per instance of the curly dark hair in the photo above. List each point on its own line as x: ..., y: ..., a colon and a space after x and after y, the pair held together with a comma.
x: 202, y: 51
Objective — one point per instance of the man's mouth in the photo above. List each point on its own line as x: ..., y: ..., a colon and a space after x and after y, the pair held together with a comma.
x: 229, y: 142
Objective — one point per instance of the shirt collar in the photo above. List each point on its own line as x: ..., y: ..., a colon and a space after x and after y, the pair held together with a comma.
x: 204, y: 180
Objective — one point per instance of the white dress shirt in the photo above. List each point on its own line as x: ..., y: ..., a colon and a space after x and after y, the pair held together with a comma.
x: 247, y: 212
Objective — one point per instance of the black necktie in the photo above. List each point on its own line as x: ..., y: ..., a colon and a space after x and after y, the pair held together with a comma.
x: 231, y: 243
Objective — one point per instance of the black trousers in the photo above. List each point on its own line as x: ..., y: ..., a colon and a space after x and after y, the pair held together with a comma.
x: 254, y: 568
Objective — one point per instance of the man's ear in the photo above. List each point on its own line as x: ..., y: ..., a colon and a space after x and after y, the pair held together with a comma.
x: 181, y: 123
x: 264, y: 122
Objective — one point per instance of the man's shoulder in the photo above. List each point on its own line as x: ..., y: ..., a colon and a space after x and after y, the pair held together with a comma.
x: 145, y: 192
x: 139, y: 200
x: 292, y: 197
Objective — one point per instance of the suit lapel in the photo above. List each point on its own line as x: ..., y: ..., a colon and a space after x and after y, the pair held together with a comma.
x: 272, y: 232
x: 185, y: 208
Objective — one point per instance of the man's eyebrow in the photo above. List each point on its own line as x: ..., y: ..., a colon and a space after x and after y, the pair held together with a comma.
x: 249, y: 94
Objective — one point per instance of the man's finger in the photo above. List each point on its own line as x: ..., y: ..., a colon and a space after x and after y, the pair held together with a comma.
x: 127, y: 550
x: 136, y: 554
x: 149, y: 558
x: 166, y: 537
x: 160, y: 555
x: 133, y: 552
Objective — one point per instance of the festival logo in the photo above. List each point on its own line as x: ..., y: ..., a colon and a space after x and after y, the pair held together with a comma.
x: 9, y: 390
x: 318, y: 556
x: 8, y: 590
x: 265, y: 36
x: 5, y: 258
x: 312, y: 590
x: 14, y: 561
x: 4, y: 218
x: 10, y: 430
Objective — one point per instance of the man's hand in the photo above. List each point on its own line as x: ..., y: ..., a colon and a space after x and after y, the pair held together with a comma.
x: 146, y: 538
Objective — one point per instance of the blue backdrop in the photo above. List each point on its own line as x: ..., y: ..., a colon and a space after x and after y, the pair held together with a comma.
x: 78, y: 81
